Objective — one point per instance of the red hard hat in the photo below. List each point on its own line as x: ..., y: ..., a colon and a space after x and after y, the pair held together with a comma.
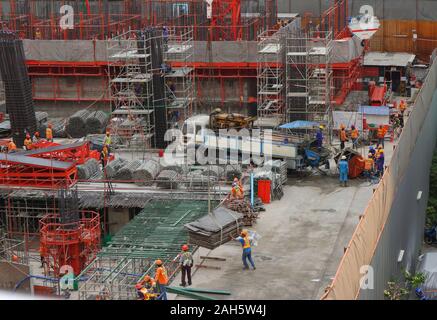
x: 37, y: 134
x: 138, y: 286
x: 15, y: 258
x: 27, y: 136
x: 185, y: 247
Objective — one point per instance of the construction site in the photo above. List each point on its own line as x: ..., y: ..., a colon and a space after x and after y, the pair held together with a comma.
x: 143, y: 141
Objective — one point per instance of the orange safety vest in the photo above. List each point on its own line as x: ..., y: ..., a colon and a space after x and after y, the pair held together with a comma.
x: 343, y: 135
x: 12, y: 146
x: 246, y: 243
x: 49, y: 133
x: 354, y: 134
x: 368, y: 164
x: 381, y: 133
x: 161, y: 276
x: 28, y: 143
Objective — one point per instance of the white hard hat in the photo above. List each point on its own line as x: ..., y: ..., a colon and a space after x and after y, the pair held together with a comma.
x: 343, y: 158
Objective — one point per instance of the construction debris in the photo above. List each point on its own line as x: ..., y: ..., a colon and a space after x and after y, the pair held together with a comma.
x: 215, y: 229
x: 242, y: 206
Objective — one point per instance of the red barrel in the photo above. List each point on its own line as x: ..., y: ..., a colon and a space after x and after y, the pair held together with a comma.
x: 161, y: 153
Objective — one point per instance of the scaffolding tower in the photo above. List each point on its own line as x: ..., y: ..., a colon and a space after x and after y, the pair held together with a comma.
x: 179, y: 81
x: 309, y: 77
x: 270, y: 79
x: 131, y: 88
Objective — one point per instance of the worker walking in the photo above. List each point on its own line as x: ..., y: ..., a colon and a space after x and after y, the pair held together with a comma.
x: 49, y: 133
x: 354, y: 136
x: 12, y: 146
x: 319, y: 138
x: 186, y: 262
x: 343, y: 137
x: 27, y: 142
x: 247, y: 250
x: 161, y: 278
x: 380, y: 134
x: 343, y: 167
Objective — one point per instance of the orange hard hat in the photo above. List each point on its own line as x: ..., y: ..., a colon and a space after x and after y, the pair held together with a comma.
x: 147, y: 278
x: 244, y: 232
x: 158, y: 262
x: 185, y: 247
x: 342, y: 126
x: 50, y: 125
x: 37, y: 134
x: 15, y: 258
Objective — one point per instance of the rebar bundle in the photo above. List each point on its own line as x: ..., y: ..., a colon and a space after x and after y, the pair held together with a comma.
x: 96, y: 122
x: 18, y: 89
x: 76, y: 124
x: 214, y: 171
x: 113, y: 167
x: 88, y: 169
x: 146, y: 172
x: 126, y: 172
x: 167, y: 179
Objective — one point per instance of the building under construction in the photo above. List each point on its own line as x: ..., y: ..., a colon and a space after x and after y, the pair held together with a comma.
x: 130, y: 128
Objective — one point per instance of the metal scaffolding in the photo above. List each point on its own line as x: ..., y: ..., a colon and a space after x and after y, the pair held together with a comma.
x: 157, y: 232
x: 309, y: 81
x: 131, y: 87
x: 179, y: 82
x: 270, y: 79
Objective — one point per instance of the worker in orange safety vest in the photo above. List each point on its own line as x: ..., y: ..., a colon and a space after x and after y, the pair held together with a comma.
x: 49, y: 133
x: 12, y: 146
x: 343, y: 137
x: 161, y: 278
x: 354, y: 136
x: 380, y: 134
x: 27, y: 142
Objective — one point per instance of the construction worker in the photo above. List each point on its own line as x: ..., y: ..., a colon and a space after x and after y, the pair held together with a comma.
x: 343, y: 137
x: 380, y: 134
x: 185, y: 262
x: 319, y: 138
x: 161, y: 278
x: 12, y: 146
x: 107, y: 141
x: 402, y: 107
x: 369, y: 165
x: 38, y: 34
x: 28, y: 142
x: 237, y: 190
x: 104, y: 156
x: 35, y: 138
x: 372, y: 151
x: 49, y: 133
x: 247, y: 250
x: 380, y: 161
x: 354, y: 136
x: 343, y: 168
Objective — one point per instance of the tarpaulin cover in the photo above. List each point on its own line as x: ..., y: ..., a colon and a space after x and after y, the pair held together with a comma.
x: 300, y: 124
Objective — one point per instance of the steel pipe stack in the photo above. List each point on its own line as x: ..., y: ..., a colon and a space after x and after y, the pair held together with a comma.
x: 18, y: 89
x: 126, y: 172
x: 88, y: 169
x: 114, y: 166
x: 167, y: 179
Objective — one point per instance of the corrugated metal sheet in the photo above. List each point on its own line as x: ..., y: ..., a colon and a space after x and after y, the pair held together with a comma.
x: 388, y: 59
